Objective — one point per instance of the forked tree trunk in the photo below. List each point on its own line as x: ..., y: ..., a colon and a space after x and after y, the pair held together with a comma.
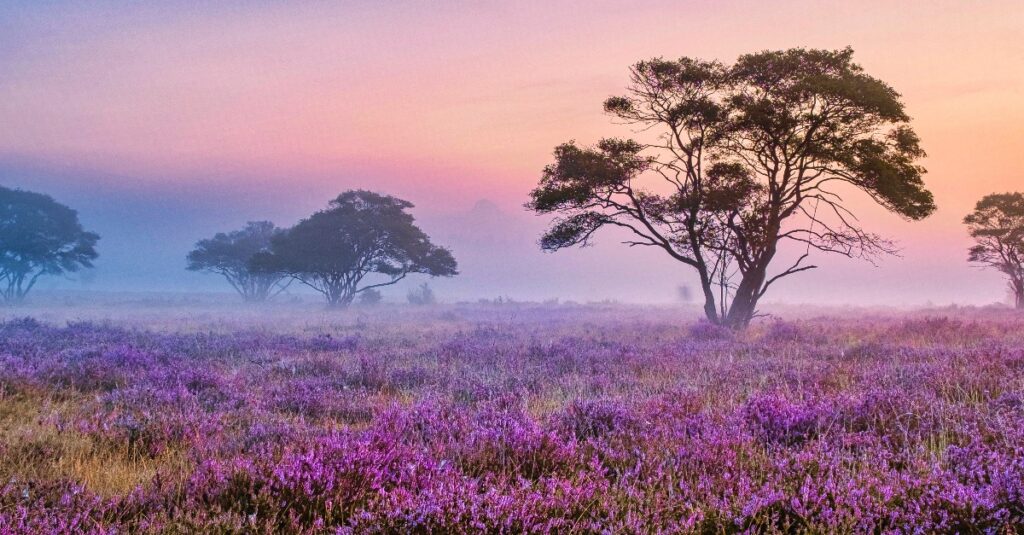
x: 340, y: 299
x: 744, y: 303
x: 743, y: 306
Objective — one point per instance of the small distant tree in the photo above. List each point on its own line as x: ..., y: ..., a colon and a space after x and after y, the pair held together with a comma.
x: 229, y: 255
x: 38, y: 236
x: 746, y: 157
x: 361, y: 234
x: 370, y: 298
x: 997, y: 226
x: 421, y: 295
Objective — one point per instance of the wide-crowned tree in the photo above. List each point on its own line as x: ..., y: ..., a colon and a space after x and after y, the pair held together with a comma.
x: 361, y: 237
x: 997, y: 225
x: 38, y: 236
x: 229, y: 254
x: 736, y: 160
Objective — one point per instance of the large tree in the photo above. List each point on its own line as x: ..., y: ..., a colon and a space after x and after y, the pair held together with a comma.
x: 38, y: 236
x: 997, y: 225
x: 229, y: 255
x: 736, y: 160
x: 361, y: 234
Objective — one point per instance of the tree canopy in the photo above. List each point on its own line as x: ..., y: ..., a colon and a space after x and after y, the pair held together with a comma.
x: 38, y: 236
x: 230, y: 254
x: 745, y: 156
x: 361, y: 234
x: 997, y: 226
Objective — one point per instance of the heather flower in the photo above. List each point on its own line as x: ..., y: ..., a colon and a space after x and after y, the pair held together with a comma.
x: 546, y: 423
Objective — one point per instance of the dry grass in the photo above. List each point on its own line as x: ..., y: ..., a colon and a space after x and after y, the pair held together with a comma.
x: 35, y: 449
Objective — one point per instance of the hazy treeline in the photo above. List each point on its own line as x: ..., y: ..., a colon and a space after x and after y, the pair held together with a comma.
x: 746, y: 157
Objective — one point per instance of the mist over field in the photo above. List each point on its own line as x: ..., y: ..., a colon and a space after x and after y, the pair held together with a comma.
x: 163, y: 124
x: 148, y: 230
x: 692, y: 266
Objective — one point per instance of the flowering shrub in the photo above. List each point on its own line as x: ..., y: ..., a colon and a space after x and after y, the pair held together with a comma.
x: 584, y: 421
x: 779, y: 421
x: 706, y: 331
x: 784, y: 331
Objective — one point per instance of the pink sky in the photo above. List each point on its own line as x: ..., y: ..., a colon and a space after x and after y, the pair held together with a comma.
x: 446, y: 103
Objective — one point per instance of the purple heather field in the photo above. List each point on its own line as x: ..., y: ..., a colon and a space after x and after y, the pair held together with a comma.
x: 509, y: 418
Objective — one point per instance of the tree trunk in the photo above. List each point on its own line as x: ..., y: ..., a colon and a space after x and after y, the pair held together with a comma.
x: 742, y: 309
x: 710, y: 306
x: 748, y: 293
x: 744, y: 303
x: 340, y: 297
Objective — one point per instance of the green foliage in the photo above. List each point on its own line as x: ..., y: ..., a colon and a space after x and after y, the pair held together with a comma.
x: 38, y: 236
x: 999, y: 215
x: 746, y: 154
x: 997, y: 226
x: 361, y: 233
x: 581, y: 173
x: 230, y: 254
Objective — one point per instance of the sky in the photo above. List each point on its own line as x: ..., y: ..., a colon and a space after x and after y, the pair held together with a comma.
x: 165, y: 122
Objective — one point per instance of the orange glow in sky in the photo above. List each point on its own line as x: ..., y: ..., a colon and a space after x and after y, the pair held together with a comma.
x: 456, y: 101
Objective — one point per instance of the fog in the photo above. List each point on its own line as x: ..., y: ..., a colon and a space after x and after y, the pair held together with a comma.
x: 164, y: 123
x: 148, y: 226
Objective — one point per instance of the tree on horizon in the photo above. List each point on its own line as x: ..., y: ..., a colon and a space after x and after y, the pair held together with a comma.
x: 747, y: 156
x: 39, y: 236
x: 997, y: 226
x: 360, y: 234
x: 229, y: 255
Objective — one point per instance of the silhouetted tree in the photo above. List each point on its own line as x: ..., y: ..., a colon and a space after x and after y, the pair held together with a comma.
x: 361, y: 233
x: 421, y: 295
x: 229, y: 255
x: 997, y: 225
x: 38, y: 236
x: 746, y: 156
x: 370, y: 298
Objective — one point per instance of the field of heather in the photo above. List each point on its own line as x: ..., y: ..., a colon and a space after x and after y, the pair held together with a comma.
x: 509, y: 419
